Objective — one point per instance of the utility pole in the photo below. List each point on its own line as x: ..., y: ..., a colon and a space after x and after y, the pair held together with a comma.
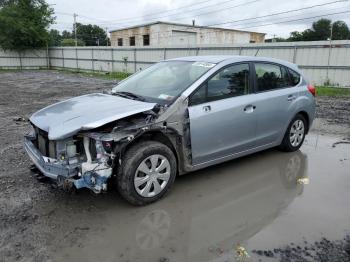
x: 329, y: 53
x: 75, y: 29
x: 106, y: 36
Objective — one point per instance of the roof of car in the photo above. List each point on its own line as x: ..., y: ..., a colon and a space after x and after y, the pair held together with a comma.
x: 233, y: 59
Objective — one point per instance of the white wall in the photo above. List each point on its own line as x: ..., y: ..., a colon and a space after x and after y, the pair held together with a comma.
x: 315, y: 59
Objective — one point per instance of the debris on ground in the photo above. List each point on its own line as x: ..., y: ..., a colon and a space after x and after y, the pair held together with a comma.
x: 323, y: 250
x: 20, y: 119
x: 340, y: 142
x: 303, y: 181
x: 241, y: 253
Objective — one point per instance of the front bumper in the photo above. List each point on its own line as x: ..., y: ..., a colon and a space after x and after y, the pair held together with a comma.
x: 49, y: 169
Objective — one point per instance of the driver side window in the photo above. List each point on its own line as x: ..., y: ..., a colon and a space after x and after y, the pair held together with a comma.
x: 230, y: 81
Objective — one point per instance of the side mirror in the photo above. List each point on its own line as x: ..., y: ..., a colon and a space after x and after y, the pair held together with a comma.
x: 106, y: 91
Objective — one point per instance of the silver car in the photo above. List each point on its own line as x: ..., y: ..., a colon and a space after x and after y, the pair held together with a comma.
x: 175, y: 117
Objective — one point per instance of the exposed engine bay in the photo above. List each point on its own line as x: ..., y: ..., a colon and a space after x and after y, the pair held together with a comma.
x: 90, y: 158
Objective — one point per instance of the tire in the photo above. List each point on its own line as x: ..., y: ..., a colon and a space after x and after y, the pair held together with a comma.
x: 288, y: 144
x: 138, y: 180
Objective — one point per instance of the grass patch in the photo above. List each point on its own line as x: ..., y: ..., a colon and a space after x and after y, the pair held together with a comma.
x: 332, y: 91
x: 102, y: 75
x: 8, y: 70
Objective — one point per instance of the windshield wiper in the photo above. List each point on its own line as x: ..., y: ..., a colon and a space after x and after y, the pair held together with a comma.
x: 129, y: 95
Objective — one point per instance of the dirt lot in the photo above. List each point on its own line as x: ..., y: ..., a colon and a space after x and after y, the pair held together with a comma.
x: 253, y: 202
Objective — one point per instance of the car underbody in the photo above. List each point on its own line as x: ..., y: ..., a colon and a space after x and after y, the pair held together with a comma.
x: 89, y: 158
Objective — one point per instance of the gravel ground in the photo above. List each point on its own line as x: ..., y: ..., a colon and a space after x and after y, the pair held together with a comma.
x: 37, y: 220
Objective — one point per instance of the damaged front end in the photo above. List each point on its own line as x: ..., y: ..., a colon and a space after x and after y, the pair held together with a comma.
x: 86, y: 160
x: 80, y: 161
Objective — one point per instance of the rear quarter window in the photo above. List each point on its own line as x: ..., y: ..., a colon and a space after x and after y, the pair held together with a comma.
x: 294, y: 77
x: 271, y: 76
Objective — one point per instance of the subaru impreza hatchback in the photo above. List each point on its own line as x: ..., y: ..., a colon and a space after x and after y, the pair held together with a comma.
x: 175, y: 117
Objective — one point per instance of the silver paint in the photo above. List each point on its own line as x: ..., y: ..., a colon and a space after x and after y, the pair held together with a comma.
x: 85, y: 112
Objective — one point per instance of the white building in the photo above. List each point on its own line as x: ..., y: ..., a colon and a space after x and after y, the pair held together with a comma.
x: 174, y: 34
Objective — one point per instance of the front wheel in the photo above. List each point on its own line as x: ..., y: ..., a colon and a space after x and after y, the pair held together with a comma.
x: 147, y: 172
x: 295, y: 134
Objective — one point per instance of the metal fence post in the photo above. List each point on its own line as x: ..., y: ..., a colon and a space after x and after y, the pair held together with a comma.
x: 20, y: 59
x: 329, y: 60
x: 112, y: 58
x: 135, y: 61
x: 295, y: 54
x: 47, y: 57
x: 92, y: 59
x: 76, y: 58
x: 62, y: 58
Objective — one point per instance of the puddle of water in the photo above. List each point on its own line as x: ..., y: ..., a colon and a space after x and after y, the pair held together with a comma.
x: 252, y: 203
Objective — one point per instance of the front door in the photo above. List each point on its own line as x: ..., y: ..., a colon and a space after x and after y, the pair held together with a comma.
x: 222, y: 115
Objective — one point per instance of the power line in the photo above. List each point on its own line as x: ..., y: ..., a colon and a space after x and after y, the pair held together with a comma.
x: 176, y: 14
x: 300, y: 19
x: 170, y: 15
x: 149, y: 14
x: 201, y: 14
x: 284, y: 12
x: 165, y: 34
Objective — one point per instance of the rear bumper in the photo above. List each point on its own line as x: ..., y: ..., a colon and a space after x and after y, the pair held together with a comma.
x: 49, y: 169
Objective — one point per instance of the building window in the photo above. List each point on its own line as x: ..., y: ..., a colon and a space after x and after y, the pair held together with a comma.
x: 145, y: 39
x: 132, y: 40
x: 120, y: 41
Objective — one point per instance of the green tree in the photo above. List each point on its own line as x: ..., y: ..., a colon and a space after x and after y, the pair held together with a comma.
x: 71, y: 42
x: 67, y: 34
x: 55, y: 38
x: 340, y: 31
x: 321, y: 29
x: 92, y: 35
x: 24, y: 24
x: 296, y: 36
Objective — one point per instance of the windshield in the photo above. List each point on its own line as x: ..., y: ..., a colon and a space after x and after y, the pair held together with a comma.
x: 163, y: 81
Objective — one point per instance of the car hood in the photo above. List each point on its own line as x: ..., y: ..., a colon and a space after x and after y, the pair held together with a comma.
x: 66, y: 118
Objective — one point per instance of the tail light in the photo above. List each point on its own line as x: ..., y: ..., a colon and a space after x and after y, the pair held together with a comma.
x: 312, y: 89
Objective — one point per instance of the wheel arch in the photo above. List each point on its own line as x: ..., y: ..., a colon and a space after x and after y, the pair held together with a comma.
x: 307, y: 118
x: 168, y: 140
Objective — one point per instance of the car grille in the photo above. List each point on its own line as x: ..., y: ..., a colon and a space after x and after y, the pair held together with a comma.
x: 46, y: 147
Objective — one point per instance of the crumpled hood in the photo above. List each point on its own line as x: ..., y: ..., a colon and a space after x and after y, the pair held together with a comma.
x: 66, y: 118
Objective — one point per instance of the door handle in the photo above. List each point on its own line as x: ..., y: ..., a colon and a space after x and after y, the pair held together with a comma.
x: 206, y: 108
x: 249, y: 108
x: 291, y: 98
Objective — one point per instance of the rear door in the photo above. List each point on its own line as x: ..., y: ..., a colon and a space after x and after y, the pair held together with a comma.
x: 275, y: 101
x: 222, y: 119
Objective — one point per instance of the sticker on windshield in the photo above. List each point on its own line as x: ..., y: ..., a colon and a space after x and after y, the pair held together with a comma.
x: 165, y: 97
x: 204, y: 64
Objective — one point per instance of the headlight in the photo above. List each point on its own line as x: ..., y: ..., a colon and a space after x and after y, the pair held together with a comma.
x: 71, y: 149
x: 31, y: 131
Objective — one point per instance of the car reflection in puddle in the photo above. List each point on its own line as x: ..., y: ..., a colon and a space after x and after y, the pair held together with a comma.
x: 206, y: 215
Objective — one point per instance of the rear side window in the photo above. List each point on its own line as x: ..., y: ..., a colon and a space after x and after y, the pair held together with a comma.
x: 294, y: 77
x: 231, y: 81
x: 271, y: 76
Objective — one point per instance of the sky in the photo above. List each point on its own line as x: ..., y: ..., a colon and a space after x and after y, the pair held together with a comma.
x: 113, y: 14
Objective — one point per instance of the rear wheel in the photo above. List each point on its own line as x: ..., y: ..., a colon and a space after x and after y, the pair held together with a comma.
x: 295, y: 134
x: 147, y: 172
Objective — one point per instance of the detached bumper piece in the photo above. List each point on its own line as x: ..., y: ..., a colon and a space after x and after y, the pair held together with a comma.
x: 87, y: 174
x: 48, y: 167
